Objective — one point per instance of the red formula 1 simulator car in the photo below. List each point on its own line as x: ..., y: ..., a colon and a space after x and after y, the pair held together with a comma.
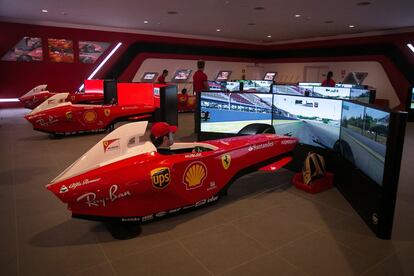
x: 40, y: 94
x: 131, y: 101
x: 124, y: 178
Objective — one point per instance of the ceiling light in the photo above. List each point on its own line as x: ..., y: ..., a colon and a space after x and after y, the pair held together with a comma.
x: 63, y: 13
x: 409, y: 45
x: 258, y: 8
x: 351, y: 26
x: 44, y: 11
x: 218, y: 30
x: 269, y: 36
x: 297, y: 15
x: 9, y: 100
x: 145, y: 22
x: 172, y: 12
x: 364, y: 3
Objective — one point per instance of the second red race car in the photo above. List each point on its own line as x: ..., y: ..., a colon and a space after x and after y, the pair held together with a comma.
x: 129, y: 101
x: 124, y: 178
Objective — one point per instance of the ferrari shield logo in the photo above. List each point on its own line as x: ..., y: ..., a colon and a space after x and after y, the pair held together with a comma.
x: 107, y: 112
x: 226, y: 161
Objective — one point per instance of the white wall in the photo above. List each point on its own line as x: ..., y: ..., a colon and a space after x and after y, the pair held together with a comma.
x: 287, y: 72
x: 212, y: 68
x: 294, y: 72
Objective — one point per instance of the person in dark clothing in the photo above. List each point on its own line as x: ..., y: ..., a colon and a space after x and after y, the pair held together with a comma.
x: 329, y: 82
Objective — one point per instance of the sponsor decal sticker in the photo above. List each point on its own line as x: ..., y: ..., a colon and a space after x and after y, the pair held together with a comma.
x: 260, y: 146
x: 160, y: 177
x: 69, y: 115
x: 192, y: 155
x: 86, y: 181
x: 287, y: 142
x: 91, y: 199
x: 194, y: 175
x: 111, y: 145
x: 90, y: 116
x: 63, y: 189
x: 172, y: 211
x: 212, y: 186
x: 107, y: 112
x: 226, y: 161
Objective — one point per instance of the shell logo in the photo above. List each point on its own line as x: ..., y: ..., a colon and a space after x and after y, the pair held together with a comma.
x: 194, y: 175
x: 90, y: 116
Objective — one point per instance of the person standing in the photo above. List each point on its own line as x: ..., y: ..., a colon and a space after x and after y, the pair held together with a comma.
x: 329, y: 82
x: 200, y: 83
x: 161, y: 79
x: 200, y: 78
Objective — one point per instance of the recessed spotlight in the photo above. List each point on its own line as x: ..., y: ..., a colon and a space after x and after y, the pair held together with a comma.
x: 297, y: 15
x: 226, y: 2
x: 258, y: 8
x: 269, y: 36
x: 218, y: 30
x: 351, y: 26
x: 364, y: 3
x: 251, y: 24
x: 64, y: 13
x: 328, y: 21
x: 172, y: 12
x: 44, y: 11
x: 145, y: 22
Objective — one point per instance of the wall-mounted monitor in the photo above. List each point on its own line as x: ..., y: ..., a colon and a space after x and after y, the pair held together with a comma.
x: 223, y: 75
x: 270, y: 76
x: 149, y: 77
x: 412, y: 99
x: 315, y: 121
x: 364, y: 134
x: 230, y: 112
x: 181, y: 75
x: 257, y: 86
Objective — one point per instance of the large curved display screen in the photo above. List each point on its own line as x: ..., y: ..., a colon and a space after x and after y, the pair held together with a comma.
x: 315, y: 121
x: 230, y: 112
x: 364, y: 133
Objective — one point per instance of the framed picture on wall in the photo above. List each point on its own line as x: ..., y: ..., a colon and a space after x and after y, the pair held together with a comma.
x: 27, y: 49
x: 90, y: 51
x: 60, y: 50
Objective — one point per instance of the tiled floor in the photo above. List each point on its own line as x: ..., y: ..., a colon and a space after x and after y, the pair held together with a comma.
x: 263, y: 227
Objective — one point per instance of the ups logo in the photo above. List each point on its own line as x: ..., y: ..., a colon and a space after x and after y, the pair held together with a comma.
x: 160, y: 177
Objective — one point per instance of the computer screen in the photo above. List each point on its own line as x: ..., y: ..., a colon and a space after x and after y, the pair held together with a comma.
x: 363, y: 139
x: 230, y: 112
x: 270, y: 76
x: 290, y: 90
x: 361, y: 95
x: 229, y: 86
x: 149, y: 76
x: 257, y: 86
x: 181, y: 75
x: 314, y: 121
x: 223, y: 75
x: 331, y: 92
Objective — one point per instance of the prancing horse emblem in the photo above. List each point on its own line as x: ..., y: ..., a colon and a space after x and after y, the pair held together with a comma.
x: 225, y: 161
